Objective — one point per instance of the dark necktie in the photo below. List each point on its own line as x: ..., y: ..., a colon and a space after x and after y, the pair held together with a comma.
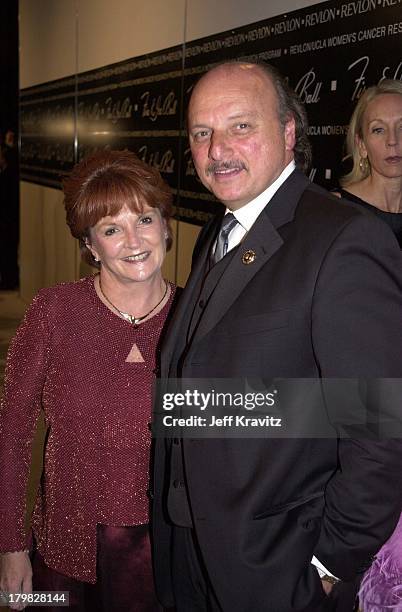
x: 222, y: 243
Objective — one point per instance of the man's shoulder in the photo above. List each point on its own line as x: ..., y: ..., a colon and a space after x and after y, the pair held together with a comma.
x: 323, y: 208
x: 317, y: 198
x: 328, y: 218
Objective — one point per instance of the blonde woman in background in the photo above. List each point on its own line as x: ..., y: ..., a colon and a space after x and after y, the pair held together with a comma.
x: 374, y: 143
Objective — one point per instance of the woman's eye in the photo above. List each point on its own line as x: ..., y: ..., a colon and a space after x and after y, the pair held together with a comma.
x: 243, y: 126
x: 146, y: 220
x: 110, y: 231
x: 377, y: 130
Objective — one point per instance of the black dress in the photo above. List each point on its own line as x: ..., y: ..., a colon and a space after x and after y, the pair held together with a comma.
x: 381, y: 587
x: 394, y: 220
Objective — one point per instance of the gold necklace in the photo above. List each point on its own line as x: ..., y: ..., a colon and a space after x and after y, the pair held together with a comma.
x: 128, y: 317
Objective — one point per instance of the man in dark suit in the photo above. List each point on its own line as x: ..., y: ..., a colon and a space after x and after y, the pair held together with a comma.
x: 296, y: 285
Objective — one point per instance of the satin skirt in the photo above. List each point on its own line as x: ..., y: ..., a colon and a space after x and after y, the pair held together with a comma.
x: 124, y: 575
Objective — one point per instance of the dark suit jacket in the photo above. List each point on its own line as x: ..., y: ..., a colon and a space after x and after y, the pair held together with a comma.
x: 323, y: 298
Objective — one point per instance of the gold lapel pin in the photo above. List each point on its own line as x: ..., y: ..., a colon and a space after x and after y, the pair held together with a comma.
x: 249, y: 257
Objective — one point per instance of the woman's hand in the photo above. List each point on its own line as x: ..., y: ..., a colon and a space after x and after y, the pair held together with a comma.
x: 15, y: 575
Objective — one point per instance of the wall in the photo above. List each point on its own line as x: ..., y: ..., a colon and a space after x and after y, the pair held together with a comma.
x: 8, y: 65
x: 60, y: 38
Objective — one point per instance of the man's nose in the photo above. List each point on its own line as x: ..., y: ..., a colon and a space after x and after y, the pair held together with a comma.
x: 220, y: 146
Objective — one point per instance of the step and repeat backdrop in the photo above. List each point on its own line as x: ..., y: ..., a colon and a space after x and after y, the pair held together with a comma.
x: 330, y: 53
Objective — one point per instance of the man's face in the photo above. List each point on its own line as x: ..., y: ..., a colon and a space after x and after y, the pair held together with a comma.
x: 238, y: 145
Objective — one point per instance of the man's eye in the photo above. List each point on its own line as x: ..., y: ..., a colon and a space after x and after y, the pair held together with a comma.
x: 201, y: 135
x: 242, y: 127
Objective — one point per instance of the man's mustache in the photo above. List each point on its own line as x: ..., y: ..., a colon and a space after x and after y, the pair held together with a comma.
x: 229, y: 165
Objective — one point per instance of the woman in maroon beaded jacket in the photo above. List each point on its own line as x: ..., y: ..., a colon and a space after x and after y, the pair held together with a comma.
x: 85, y: 353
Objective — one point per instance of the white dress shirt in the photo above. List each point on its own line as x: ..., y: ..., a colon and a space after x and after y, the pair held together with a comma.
x: 247, y: 214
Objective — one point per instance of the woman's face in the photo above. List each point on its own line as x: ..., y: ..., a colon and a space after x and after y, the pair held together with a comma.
x: 382, y: 135
x: 130, y: 246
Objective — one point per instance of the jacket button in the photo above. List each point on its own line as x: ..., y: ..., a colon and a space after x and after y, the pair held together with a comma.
x: 150, y: 494
x: 178, y: 484
x: 201, y: 303
x: 176, y: 441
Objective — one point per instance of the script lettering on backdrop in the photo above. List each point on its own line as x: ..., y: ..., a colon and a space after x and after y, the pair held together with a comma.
x: 330, y: 53
x: 164, y: 162
x: 361, y: 65
x: 308, y: 88
x: 154, y: 107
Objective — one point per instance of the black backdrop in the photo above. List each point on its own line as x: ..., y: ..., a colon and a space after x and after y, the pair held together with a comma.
x: 9, y: 193
x: 330, y: 52
x: 8, y: 65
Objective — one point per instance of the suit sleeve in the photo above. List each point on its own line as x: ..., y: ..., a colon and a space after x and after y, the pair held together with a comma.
x: 357, y: 333
x: 20, y: 406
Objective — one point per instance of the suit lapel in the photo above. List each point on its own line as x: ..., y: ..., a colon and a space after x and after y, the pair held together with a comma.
x: 263, y: 240
x: 282, y: 207
x: 176, y: 334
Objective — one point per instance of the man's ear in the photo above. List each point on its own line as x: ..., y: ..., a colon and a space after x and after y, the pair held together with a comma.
x: 290, y: 134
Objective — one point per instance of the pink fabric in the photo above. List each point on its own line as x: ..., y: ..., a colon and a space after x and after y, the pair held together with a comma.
x: 69, y: 357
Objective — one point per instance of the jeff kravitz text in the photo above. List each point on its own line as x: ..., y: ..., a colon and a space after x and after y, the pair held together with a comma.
x: 229, y: 420
x: 219, y: 410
